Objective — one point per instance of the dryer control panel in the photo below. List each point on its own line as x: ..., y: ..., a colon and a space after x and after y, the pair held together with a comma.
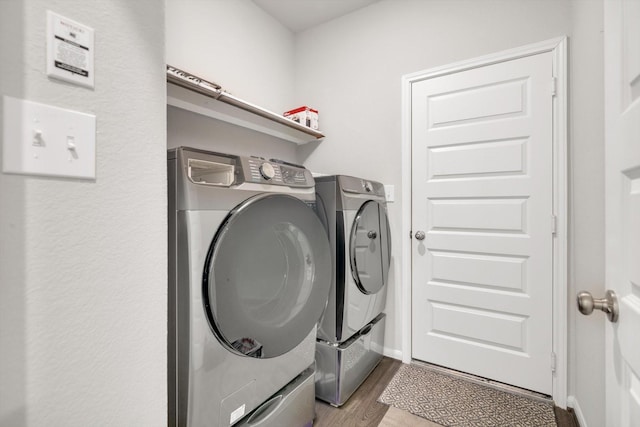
x: 275, y: 172
x: 353, y: 185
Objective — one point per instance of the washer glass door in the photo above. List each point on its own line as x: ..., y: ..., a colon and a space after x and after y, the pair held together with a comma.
x: 370, y: 247
x: 267, y: 276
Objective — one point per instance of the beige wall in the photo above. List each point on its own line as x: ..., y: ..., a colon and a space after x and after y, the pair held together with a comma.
x: 246, y: 51
x: 351, y: 68
x: 586, y: 118
x: 83, y: 263
x: 235, y: 44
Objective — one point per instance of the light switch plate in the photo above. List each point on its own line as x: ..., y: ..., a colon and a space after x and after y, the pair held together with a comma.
x: 39, y: 139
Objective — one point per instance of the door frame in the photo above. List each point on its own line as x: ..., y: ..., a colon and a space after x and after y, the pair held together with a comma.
x: 558, y: 47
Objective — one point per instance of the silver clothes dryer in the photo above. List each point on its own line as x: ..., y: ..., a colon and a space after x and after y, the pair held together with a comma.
x: 249, y: 275
x: 351, y: 331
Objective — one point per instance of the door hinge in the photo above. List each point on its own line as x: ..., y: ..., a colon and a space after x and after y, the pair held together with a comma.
x: 554, y: 86
x: 554, y: 224
x: 553, y: 362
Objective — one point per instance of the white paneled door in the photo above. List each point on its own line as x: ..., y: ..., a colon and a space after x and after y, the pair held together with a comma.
x: 622, y: 153
x: 482, y: 202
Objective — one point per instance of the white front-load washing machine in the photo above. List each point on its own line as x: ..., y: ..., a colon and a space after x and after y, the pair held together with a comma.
x: 351, y: 332
x: 249, y: 275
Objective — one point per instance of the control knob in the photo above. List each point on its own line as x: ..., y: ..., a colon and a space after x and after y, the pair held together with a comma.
x: 368, y: 187
x: 267, y: 171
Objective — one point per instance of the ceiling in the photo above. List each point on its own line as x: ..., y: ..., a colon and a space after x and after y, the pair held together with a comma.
x: 300, y: 15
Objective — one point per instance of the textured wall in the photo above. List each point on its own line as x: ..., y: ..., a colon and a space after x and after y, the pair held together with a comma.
x: 83, y: 263
x: 587, y: 334
x: 235, y: 44
x: 192, y: 130
x: 239, y: 46
x: 351, y: 68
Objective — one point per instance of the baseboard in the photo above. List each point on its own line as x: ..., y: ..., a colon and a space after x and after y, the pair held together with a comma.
x: 572, y: 403
x: 392, y: 353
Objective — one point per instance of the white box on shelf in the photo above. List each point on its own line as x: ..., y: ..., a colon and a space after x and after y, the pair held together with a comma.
x: 304, y: 115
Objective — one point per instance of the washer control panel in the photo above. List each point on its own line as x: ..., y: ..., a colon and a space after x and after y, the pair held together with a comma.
x: 275, y: 172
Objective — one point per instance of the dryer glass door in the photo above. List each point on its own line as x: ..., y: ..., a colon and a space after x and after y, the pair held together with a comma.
x: 267, y: 276
x: 370, y: 247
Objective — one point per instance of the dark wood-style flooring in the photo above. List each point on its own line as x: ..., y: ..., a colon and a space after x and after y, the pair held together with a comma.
x: 363, y: 409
